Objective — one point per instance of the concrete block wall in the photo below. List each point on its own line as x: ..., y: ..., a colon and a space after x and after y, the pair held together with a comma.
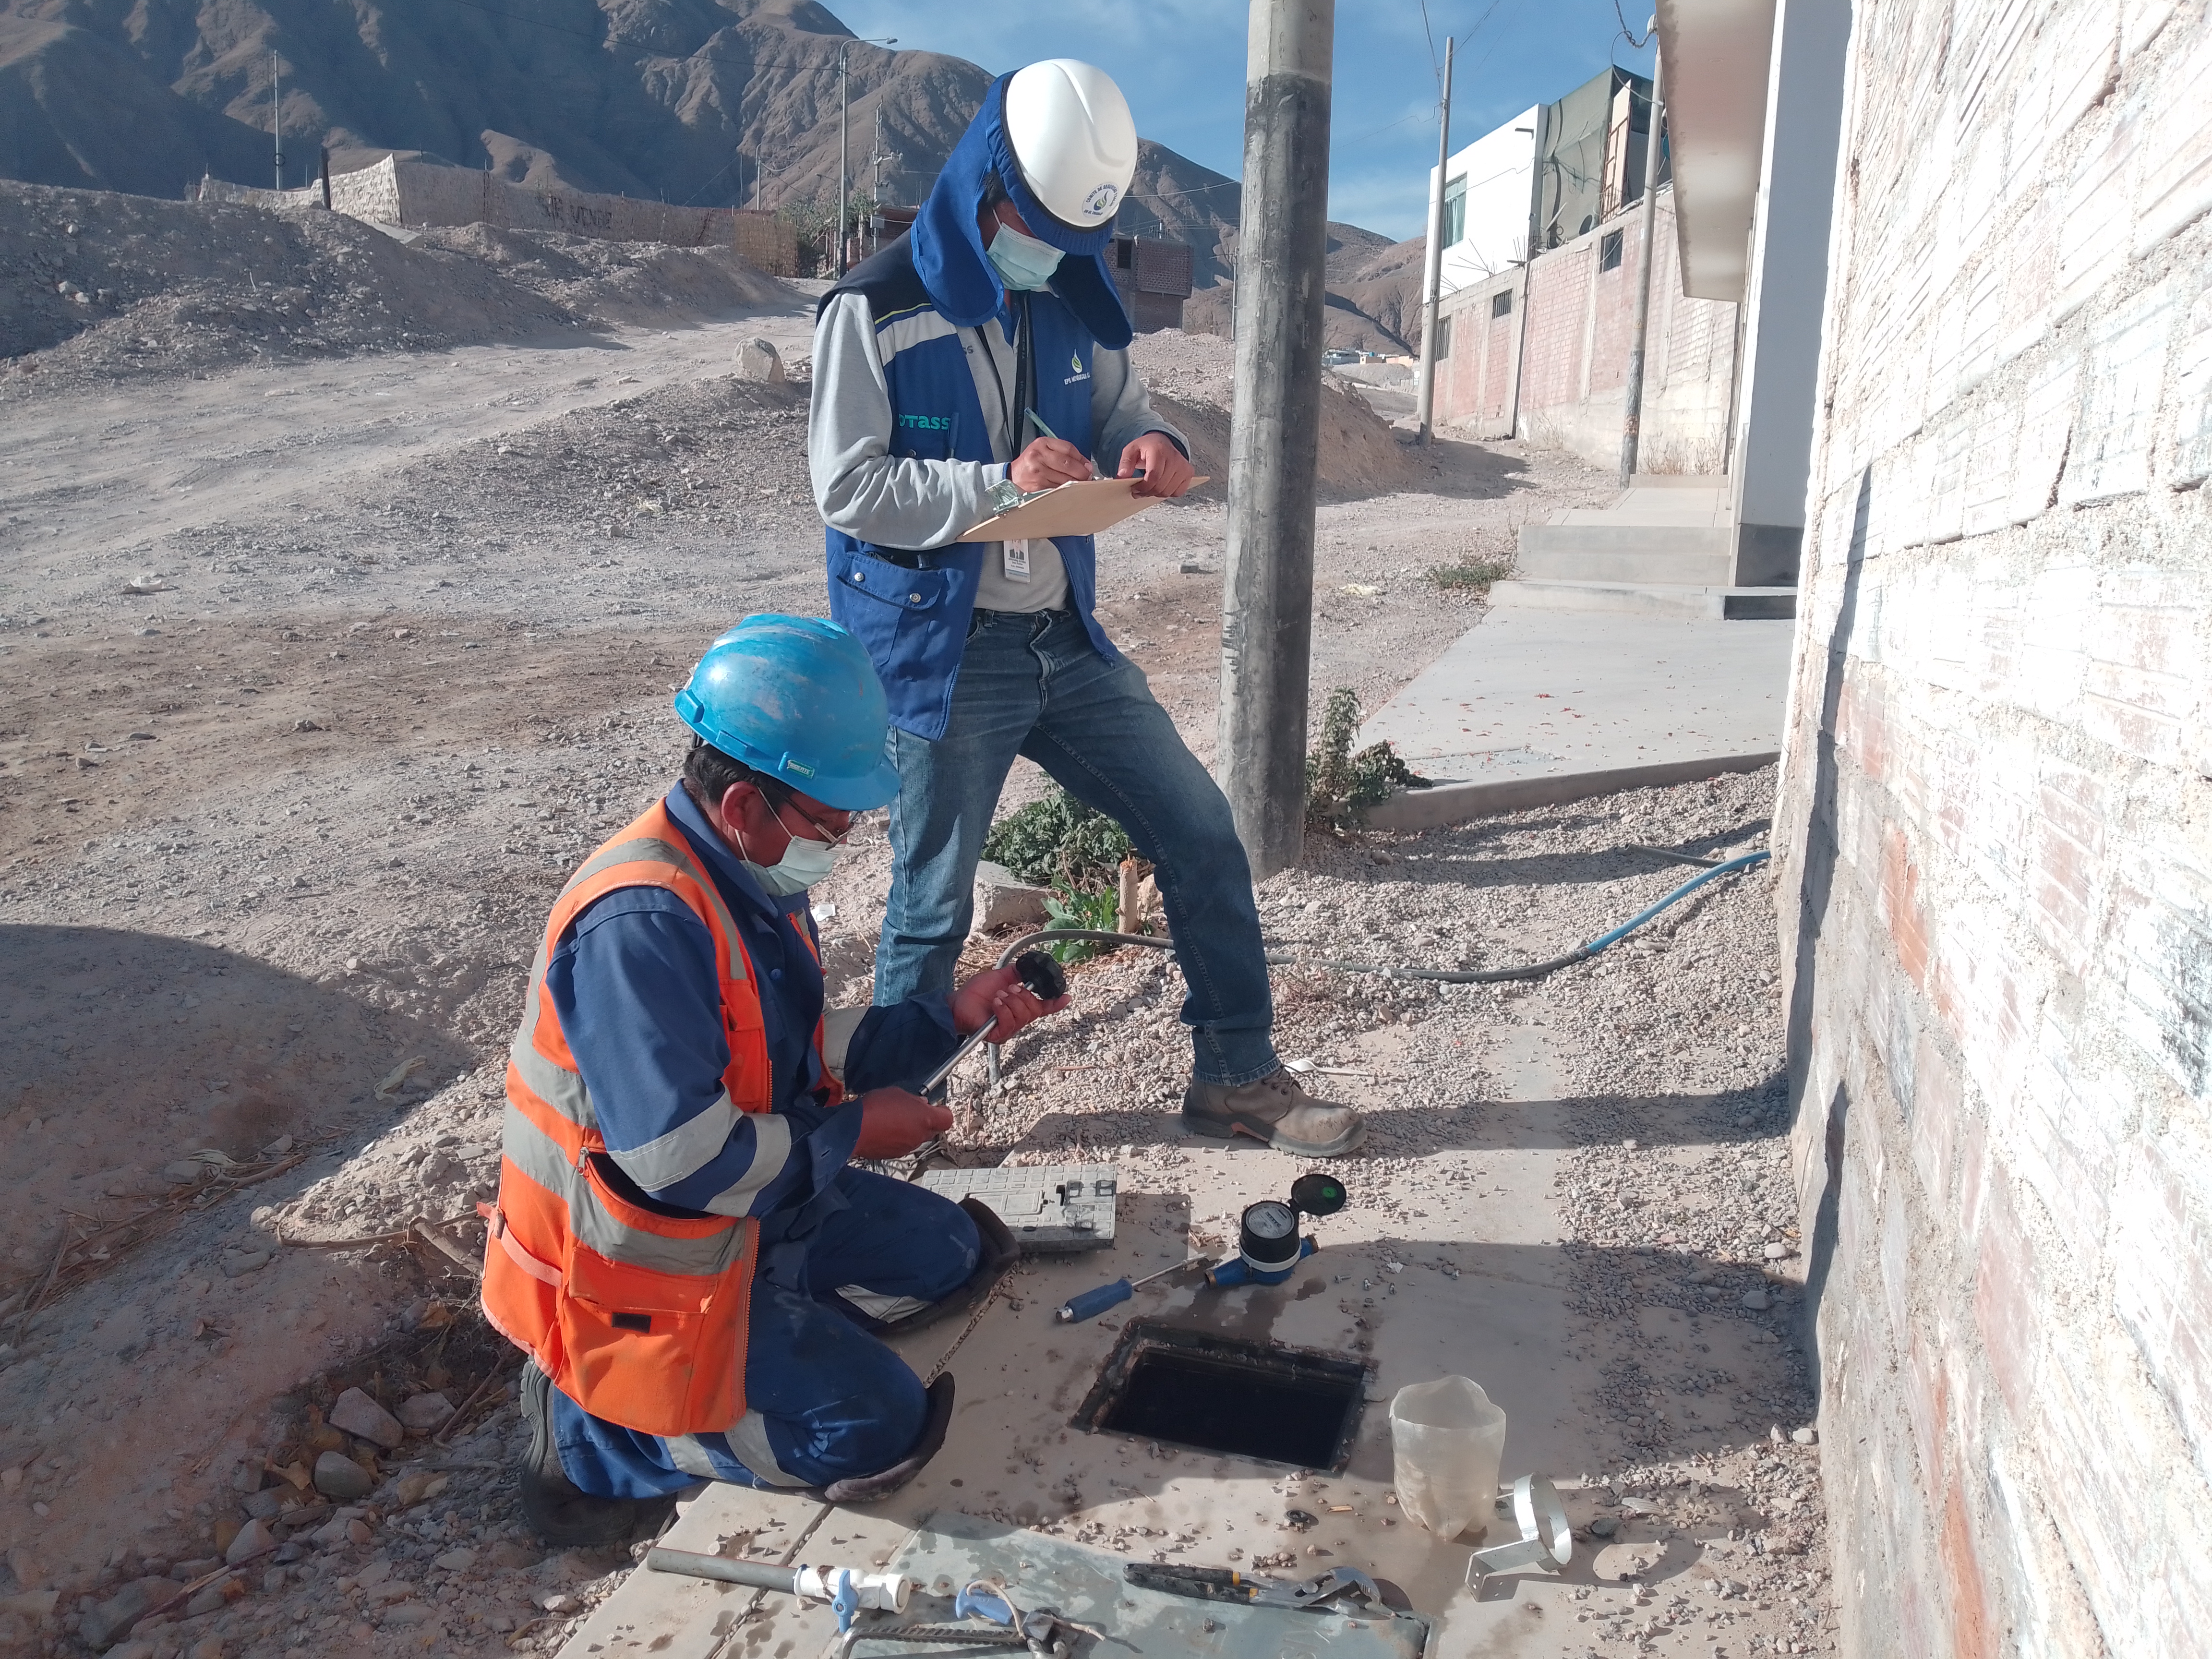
x: 1995, y: 823
x: 399, y: 192
x: 1565, y: 365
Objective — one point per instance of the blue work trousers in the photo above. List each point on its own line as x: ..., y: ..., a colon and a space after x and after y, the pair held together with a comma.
x: 1031, y: 683
x: 823, y: 1399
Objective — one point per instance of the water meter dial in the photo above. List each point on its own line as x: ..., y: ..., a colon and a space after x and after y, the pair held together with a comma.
x: 1269, y: 1236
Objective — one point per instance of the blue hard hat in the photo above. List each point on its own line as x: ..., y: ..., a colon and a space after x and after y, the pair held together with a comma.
x: 797, y: 699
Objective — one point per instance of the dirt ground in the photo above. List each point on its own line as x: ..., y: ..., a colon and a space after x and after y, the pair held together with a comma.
x: 320, y: 671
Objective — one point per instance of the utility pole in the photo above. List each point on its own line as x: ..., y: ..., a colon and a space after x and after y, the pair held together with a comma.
x: 844, y: 166
x: 277, y: 115
x: 1266, y: 589
x: 1647, y: 218
x: 1432, y: 279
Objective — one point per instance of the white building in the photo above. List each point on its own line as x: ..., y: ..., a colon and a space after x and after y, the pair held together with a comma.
x: 1487, y: 188
x: 1552, y: 173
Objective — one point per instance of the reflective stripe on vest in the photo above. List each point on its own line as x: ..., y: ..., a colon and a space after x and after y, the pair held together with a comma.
x: 638, y: 1317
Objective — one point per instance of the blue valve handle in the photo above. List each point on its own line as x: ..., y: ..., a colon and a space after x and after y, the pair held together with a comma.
x: 974, y: 1602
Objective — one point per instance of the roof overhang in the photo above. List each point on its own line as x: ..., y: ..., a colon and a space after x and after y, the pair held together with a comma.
x: 1718, y: 56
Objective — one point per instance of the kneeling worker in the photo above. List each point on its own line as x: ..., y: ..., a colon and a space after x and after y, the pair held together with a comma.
x: 698, y: 1275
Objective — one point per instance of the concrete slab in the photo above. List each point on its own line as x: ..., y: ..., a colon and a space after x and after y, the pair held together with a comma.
x: 1651, y: 553
x: 1532, y: 707
x: 1466, y: 1275
x: 1675, y: 594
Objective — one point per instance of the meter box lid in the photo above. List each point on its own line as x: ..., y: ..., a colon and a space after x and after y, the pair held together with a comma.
x: 1048, y: 1208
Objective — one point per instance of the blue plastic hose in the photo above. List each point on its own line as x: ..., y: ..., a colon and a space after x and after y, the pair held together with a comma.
x: 1446, y: 975
x: 1687, y: 887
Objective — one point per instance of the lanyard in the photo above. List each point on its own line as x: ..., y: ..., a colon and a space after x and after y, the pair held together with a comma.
x: 1024, y: 375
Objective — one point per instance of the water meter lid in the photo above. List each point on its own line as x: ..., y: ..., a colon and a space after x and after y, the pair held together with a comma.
x: 1318, y: 1195
x: 1271, y: 1220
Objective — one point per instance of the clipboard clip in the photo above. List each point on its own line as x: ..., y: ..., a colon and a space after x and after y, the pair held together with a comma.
x: 1005, y: 495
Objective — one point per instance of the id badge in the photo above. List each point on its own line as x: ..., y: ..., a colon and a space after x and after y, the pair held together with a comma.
x: 1017, y: 560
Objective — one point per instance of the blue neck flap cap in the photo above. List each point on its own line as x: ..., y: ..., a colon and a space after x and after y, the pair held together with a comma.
x: 948, y: 248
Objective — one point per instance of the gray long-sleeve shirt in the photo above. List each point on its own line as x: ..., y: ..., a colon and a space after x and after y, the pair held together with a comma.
x: 863, y: 490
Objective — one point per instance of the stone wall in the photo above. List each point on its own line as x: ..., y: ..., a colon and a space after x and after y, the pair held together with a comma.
x: 1996, y: 820
x: 1565, y: 365
x: 397, y: 191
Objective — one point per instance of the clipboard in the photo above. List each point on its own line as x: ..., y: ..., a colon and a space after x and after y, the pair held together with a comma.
x: 1082, y: 506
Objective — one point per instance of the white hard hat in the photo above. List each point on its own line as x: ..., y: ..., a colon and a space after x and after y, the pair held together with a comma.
x: 1071, y: 130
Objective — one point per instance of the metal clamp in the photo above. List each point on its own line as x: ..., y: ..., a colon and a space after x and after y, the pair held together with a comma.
x: 1547, y: 1540
x: 1338, y: 1581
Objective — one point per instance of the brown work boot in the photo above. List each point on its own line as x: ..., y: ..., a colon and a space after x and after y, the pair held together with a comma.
x: 1275, y: 1110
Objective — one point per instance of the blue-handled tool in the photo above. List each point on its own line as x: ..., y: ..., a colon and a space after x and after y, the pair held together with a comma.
x: 1092, y: 1303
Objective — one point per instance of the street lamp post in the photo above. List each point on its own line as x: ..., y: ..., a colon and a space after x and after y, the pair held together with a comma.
x: 843, y: 169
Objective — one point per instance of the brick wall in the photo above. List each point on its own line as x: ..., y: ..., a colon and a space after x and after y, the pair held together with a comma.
x: 1571, y: 359
x: 396, y: 191
x: 1996, y: 814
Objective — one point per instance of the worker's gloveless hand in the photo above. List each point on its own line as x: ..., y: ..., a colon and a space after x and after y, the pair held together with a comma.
x: 999, y: 991
x: 1047, y: 464
x: 894, y: 1122
x: 1166, y: 472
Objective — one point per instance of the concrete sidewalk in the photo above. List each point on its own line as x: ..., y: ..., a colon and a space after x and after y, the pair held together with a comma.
x: 1530, y: 708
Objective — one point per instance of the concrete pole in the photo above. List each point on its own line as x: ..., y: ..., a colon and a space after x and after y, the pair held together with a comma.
x: 843, y: 171
x: 277, y: 114
x: 1266, y: 588
x: 1432, y: 281
x: 1647, y: 219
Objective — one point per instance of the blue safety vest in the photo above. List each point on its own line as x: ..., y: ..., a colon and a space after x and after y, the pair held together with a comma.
x: 911, y: 608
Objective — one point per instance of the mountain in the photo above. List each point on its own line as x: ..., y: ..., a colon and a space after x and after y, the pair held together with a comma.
x: 717, y: 102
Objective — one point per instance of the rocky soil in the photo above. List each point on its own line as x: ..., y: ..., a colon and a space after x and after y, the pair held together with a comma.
x: 304, y: 717
x: 96, y: 287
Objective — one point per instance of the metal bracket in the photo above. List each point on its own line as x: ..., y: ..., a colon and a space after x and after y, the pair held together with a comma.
x: 1546, y: 1540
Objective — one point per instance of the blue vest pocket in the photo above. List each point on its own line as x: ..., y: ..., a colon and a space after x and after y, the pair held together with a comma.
x: 906, y: 620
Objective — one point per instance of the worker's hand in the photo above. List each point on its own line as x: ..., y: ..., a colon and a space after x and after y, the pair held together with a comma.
x: 894, y: 1122
x: 1047, y: 464
x: 999, y: 991
x: 1166, y: 472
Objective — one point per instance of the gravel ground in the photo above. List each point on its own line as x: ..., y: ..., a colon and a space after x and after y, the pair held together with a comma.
x: 97, y: 288
x: 291, y: 765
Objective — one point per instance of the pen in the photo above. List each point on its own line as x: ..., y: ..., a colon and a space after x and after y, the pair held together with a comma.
x: 1037, y: 420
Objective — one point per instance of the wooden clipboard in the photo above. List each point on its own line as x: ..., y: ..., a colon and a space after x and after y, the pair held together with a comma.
x: 1082, y: 508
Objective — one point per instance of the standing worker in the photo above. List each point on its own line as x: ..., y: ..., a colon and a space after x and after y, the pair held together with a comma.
x: 698, y: 1275
x: 943, y: 367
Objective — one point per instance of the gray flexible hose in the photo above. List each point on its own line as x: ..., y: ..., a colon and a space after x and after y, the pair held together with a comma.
x: 1709, y: 870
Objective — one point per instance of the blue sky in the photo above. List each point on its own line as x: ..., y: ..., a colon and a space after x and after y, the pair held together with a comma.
x: 1181, y: 65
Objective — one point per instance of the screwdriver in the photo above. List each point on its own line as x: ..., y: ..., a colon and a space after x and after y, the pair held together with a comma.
x: 1092, y: 1303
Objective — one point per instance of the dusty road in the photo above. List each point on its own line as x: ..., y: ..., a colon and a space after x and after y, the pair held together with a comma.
x: 98, y: 471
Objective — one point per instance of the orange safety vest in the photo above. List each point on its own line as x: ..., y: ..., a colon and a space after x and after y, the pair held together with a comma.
x: 638, y: 1317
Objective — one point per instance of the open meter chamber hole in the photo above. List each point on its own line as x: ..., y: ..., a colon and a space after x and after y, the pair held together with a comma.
x: 1210, y: 1394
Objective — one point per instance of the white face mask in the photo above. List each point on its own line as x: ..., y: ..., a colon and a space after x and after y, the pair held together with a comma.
x: 1023, y: 263
x: 803, y: 864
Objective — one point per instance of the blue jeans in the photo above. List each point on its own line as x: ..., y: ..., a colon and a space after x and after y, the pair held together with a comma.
x: 1032, y: 685
x: 823, y: 1399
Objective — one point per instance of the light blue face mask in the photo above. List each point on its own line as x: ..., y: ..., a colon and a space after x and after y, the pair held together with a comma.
x: 804, y: 863
x: 1023, y: 263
